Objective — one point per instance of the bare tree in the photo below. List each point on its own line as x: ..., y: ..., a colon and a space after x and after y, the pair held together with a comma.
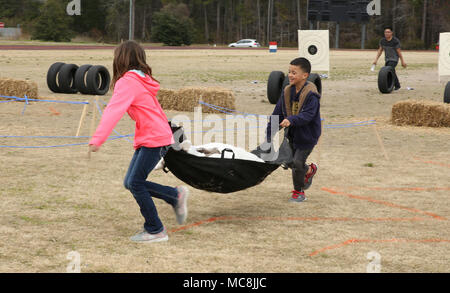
x: 258, y: 9
x: 218, y: 21
x: 206, y: 22
x: 394, y: 13
x: 269, y: 20
x: 424, y: 20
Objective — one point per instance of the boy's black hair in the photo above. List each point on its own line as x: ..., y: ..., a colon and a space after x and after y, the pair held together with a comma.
x: 388, y: 28
x: 303, y: 63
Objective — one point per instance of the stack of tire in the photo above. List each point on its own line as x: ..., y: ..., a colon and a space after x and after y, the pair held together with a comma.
x: 386, y: 79
x: 71, y: 79
x: 447, y: 93
x: 278, y: 81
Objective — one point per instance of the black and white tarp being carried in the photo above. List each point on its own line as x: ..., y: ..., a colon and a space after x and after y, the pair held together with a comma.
x: 222, y: 168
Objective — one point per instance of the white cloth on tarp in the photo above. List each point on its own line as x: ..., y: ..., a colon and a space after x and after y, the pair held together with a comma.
x: 214, y: 150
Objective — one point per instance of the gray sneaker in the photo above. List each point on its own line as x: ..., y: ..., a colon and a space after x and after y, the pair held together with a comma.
x: 181, y: 210
x: 145, y: 237
x: 309, y: 178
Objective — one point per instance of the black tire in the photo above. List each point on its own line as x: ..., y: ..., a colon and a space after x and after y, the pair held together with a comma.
x: 80, y: 79
x: 66, y: 78
x: 52, y: 75
x: 285, y: 83
x: 274, y: 84
x: 98, y: 80
x: 386, y: 80
x: 315, y: 78
x: 447, y: 93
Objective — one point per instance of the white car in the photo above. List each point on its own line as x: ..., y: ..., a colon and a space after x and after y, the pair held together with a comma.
x: 246, y: 43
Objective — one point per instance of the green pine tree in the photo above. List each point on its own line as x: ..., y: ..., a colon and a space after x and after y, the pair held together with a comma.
x: 172, y: 26
x: 53, y: 23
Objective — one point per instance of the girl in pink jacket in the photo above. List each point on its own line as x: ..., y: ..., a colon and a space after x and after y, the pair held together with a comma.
x: 135, y: 93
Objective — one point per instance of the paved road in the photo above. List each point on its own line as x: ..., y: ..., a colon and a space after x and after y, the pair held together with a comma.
x: 110, y: 47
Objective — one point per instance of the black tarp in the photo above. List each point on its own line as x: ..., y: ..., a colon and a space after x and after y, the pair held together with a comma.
x: 222, y: 175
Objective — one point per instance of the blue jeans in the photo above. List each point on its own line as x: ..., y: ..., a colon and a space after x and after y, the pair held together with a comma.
x: 143, y: 162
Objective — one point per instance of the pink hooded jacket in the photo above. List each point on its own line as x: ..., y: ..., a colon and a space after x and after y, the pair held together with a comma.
x: 136, y: 95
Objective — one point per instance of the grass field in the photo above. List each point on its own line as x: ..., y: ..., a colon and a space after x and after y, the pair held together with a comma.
x: 55, y: 200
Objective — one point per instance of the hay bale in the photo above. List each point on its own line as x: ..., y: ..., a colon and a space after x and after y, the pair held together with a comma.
x: 167, y: 99
x: 186, y: 99
x: 18, y: 88
x: 421, y: 113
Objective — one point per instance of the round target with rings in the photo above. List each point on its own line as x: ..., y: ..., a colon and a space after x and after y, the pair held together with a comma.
x: 444, y: 54
x: 314, y: 46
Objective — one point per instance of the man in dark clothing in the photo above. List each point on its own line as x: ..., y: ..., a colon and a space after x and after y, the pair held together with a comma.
x: 392, y: 52
x: 299, y: 109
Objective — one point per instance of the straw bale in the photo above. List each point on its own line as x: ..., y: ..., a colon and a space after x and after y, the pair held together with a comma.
x: 18, y: 88
x: 421, y: 113
x: 186, y: 99
x: 167, y: 99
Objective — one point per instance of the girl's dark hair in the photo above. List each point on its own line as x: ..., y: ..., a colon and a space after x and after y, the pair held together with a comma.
x: 127, y: 56
x: 303, y: 63
x: 388, y: 28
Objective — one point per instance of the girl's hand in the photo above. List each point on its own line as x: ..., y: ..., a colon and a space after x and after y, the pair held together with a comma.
x: 285, y: 123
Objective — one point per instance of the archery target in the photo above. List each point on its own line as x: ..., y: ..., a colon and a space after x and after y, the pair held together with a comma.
x: 444, y: 54
x: 314, y: 45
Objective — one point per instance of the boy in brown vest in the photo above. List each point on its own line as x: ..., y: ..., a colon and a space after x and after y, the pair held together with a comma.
x: 299, y: 109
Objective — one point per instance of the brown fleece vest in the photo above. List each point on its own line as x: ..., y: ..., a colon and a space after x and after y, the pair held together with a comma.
x: 296, y: 107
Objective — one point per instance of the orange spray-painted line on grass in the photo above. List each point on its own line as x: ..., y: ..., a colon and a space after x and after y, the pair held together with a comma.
x: 386, y: 203
x: 332, y: 219
x: 397, y: 240
x: 395, y: 188
x: 431, y: 162
x: 54, y: 111
x: 214, y: 219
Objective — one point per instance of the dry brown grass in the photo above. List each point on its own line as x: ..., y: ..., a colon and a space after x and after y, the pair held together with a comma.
x: 54, y: 200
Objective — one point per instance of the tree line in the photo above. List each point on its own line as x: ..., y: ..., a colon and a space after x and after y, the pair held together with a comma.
x: 182, y: 22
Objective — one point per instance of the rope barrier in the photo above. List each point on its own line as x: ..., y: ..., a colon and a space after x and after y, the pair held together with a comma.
x: 118, y: 135
x: 355, y: 124
x: 26, y: 99
x: 26, y: 103
x: 345, y: 125
x: 215, y: 107
x: 229, y: 111
x: 63, y: 145
x: 36, y: 136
